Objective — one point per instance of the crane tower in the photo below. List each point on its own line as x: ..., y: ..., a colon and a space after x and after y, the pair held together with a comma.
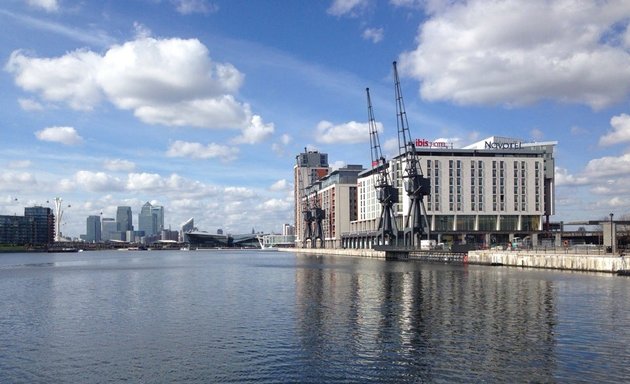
x: 416, y: 185
x: 386, y: 194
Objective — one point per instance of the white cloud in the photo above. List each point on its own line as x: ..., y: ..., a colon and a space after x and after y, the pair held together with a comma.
x: 30, y: 105
x: 563, y: 177
x: 544, y: 50
x: 256, y: 132
x: 46, y: 5
x: 64, y: 135
x: 374, y: 34
x: 275, y: 204
x: 92, y: 181
x: 199, y: 151
x: 171, y: 82
x: 608, y: 166
x: 69, y: 78
x: 187, y: 7
x: 119, y: 165
x: 16, y: 181
x: 144, y: 181
x: 141, y: 30
x: 280, y: 185
x: 349, y: 133
x: 347, y: 7
x: 537, y: 134
x: 620, y: 132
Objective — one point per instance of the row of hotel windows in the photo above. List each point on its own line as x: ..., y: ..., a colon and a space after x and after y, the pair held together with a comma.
x: 455, y: 180
x: 499, y: 199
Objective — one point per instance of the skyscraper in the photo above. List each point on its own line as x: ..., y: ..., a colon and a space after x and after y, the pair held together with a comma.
x: 123, y: 219
x: 93, y: 230
x: 108, y: 226
x: 147, y: 220
x: 158, y: 211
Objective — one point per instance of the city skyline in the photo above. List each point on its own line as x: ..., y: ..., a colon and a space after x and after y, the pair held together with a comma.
x: 202, y: 106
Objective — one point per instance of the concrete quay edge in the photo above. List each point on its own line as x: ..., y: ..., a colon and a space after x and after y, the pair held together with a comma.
x: 526, y: 259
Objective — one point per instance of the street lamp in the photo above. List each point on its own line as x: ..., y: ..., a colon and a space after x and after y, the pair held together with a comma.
x: 612, y: 241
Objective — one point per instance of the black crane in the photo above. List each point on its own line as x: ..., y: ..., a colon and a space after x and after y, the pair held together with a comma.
x: 307, y: 217
x: 416, y: 185
x: 317, y: 215
x: 386, y: 193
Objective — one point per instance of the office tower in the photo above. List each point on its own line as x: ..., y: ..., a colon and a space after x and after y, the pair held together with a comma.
x: 93, y: 229
x: 108, y: 226
x: 158, y: 211
x: 147, y: 220
x: 43, y: 224
x: 123, y: 219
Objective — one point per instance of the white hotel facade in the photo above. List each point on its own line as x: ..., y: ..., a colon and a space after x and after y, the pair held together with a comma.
x: 489, y: 192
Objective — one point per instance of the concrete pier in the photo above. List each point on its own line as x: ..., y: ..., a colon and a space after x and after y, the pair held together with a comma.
x: 527, y: 259
x: 573, y: 262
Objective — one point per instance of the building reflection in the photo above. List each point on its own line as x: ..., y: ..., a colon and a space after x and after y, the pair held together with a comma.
x: 425, y: 321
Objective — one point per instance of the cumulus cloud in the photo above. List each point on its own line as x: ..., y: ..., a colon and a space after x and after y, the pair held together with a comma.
x: 280, y: 185
x: 187, y: 7
x: 64, y: 135
x: 349, y: 133
x: 46, y: 5
x: 608, y: 166
x: 16, y: 181
x: 374, y: 34
x: 171, y: 82
x: 119, y: 165
x: 256, y: 132
x: 545, y: 50
x: 563, y: 177
x: 69, y: 78
x: 276, y: 204
x: 199, y: 151
x: 347, y: 7
x: 92, y: 181
x: 620, y: 132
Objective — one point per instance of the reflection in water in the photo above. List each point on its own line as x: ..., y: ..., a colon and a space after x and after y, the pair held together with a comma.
x: 425, y: 323
x: 269, y: 317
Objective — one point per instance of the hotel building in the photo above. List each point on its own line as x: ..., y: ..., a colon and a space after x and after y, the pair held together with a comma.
x: 490, y: 192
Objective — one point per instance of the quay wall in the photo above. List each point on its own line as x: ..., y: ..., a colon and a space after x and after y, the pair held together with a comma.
x: 573, y: 262
x: 527, y: 259
x: 368, y: 253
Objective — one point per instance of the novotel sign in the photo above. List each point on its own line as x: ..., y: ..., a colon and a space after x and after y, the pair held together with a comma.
x: 514, y: 145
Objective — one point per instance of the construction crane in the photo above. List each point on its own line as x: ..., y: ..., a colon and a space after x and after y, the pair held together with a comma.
x: 318, y: 215
x: 416, y: 185
x: 304, y: 209
x: 386, y: 193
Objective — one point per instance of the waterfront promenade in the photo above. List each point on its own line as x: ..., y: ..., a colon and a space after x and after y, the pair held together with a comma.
x: 555, y: 259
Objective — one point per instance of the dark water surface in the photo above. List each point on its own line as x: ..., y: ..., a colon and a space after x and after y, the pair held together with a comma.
x: 249, y: 316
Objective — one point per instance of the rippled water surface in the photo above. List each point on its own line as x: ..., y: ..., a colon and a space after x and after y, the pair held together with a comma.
x: 248, y: 316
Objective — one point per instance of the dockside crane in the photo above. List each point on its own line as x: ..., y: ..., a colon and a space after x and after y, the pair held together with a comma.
x: 318, y: 215
x: 416, y: 185
x: 305, y: 209
x: 386, y: 193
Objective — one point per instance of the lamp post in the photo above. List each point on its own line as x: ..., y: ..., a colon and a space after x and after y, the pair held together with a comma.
x: 612, y: 239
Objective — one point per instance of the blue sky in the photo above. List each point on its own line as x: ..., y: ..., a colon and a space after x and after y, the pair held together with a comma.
x: 201, y: 106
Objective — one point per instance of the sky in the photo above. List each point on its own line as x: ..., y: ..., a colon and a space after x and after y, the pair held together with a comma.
x: 202, y: 106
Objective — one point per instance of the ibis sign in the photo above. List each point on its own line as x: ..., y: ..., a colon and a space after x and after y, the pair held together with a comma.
x: 431, y: 144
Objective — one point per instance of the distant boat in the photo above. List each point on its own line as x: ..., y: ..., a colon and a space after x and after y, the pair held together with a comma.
x: 63, y: 250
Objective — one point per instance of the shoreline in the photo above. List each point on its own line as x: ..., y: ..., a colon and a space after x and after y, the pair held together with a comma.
x: 524, y: 259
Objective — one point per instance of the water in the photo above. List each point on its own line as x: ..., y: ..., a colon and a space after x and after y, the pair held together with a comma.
x: 248, y: 316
